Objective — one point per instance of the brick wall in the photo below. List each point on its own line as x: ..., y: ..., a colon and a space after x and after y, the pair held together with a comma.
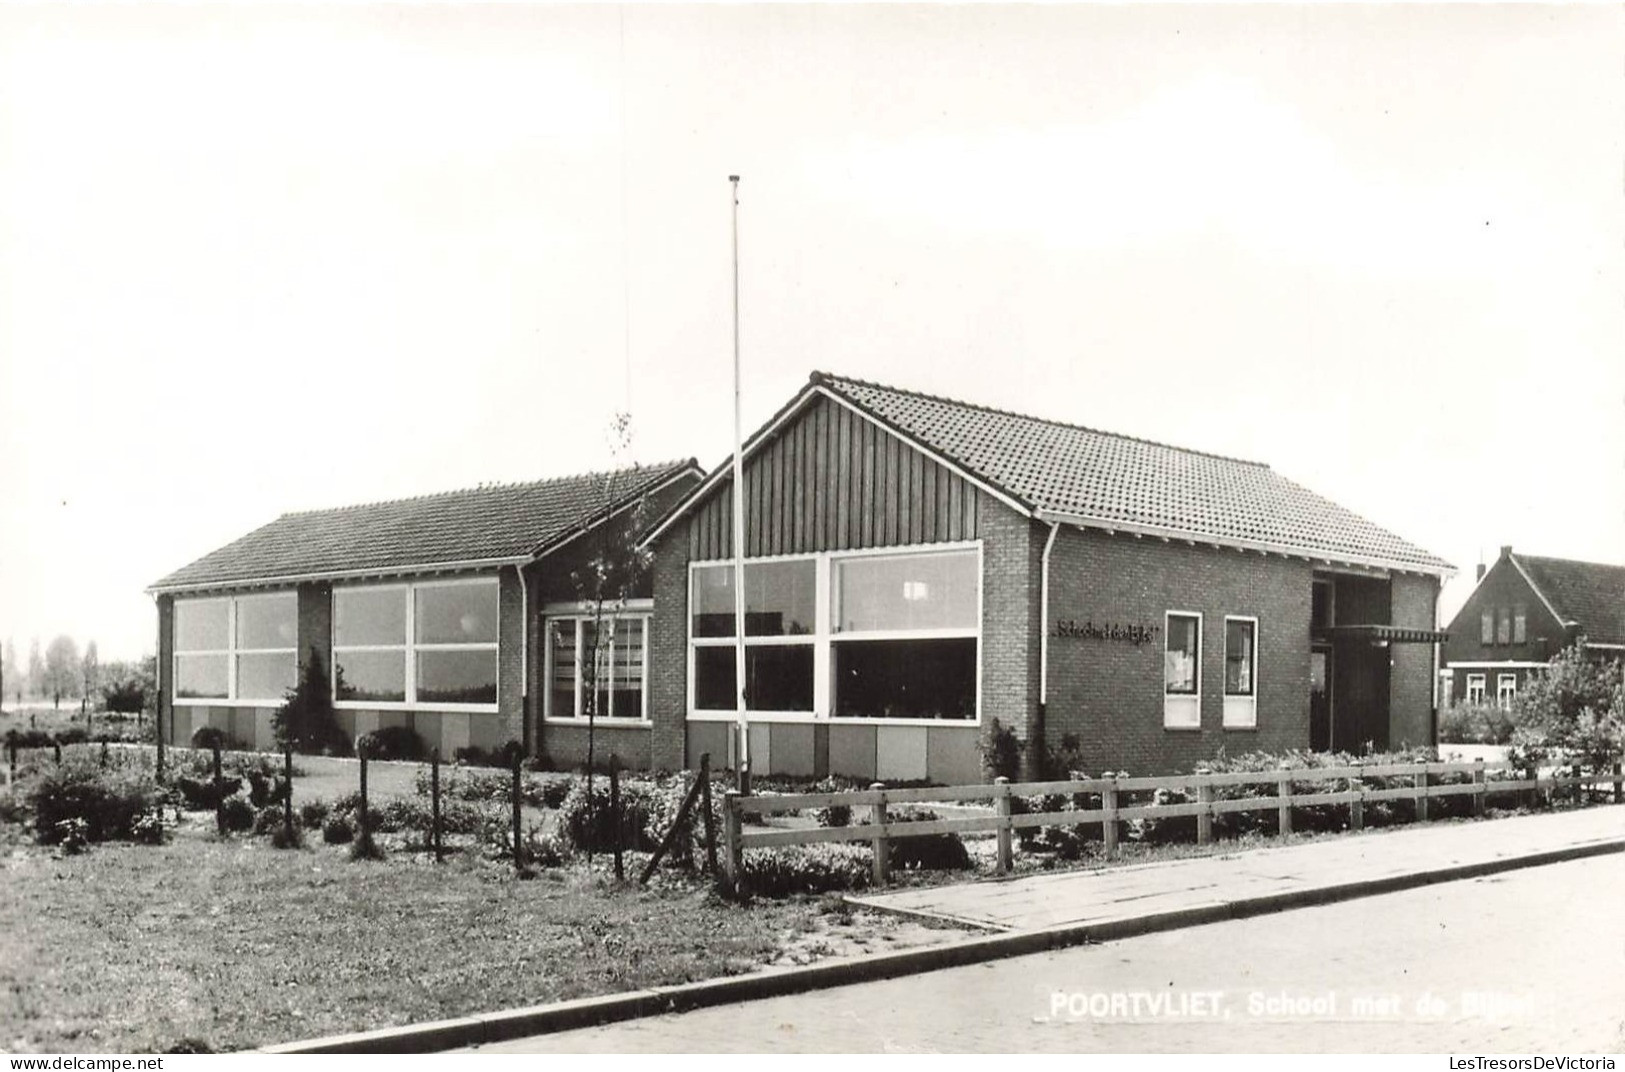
x: 1108, y: 693
x: 510, y: 642
x: 1414, y: 602
x: 668, y: 650
x: 166, y: 666
x: 1012, y: 546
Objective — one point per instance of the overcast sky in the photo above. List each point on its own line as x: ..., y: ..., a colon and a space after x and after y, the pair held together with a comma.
x: 263, y: 258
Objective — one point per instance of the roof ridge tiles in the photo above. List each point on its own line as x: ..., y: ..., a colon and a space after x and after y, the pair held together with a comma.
x: 830, y: 379
x: 495, y: 485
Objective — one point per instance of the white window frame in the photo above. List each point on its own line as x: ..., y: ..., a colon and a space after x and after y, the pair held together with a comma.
x: 1182, y: 710
x: 1506, y: 690
x: 1474, y: 693
x: 1520, y: 625
x: 823, y: 638
x: 1240, y: 710
x: 577, y: 718
x: 231, y: 651
x: 410, y: 647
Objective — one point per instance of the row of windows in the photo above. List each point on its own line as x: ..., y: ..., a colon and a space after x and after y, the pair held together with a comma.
x: 853, y: 636
x: 1182, y: 671
x: 430, y: 642
x: 1503, y: 625
x: 1506, y: 689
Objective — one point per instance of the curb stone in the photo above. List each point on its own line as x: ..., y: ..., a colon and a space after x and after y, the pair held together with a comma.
x: 514, y: 1023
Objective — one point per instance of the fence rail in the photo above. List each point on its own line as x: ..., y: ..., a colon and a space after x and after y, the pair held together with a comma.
x: 1293, y: 788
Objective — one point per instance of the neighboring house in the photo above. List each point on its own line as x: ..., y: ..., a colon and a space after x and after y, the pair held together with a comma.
x: 918, y: 568
x: 428, y: 612
x: 1524, y: 610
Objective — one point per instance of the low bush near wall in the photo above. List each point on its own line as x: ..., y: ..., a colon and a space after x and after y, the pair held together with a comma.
x: 109, y: 802
x: 796, y: 869
x: 928, y: 852
x: 1466, y: 723
x: 392, y: 743
x: 587, y: 823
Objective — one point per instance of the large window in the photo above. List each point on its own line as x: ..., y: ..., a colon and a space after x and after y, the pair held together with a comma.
x: 849, y: 635
x: 1475, y: 688
x: 431, y: 643
x: 237, y: 648
x: 1503, y: 626
x: 1486, y: 627
x: 1506, y: 690
x: 1520, y: 625
x: 1240, y: 673
x: 1182, y: 671
x: 597, y: 663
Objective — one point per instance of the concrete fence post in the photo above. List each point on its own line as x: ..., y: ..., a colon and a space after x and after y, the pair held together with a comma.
x: 1108, y: 825
x: 1001, y: 806
x: 1204, y: 817
x: 710, y: 824
x: 287, y: 791
x: 882, y: 844
x: 1283, y: 805
x: 1619, y: 783
x: 434, y: 806
x: 1423, y: 784
x: 732, y: 849
x: 219, y: 796
x: 1480, y: 786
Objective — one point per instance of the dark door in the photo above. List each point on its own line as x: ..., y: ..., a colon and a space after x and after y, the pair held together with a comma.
x: 1320, y: 699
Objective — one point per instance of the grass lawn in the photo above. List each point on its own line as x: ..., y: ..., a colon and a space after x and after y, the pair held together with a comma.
x: 134, y: 948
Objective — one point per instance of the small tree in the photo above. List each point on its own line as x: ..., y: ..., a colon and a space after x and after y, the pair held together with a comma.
x: 61, y: 668
x: 35, y: 684
x: 1572, y: 712
x: 130, y: 688
x: 90, y: 668
x: 306, y: 719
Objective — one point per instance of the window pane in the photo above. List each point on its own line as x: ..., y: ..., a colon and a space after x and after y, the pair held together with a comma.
x: 457, y: 614
x: 596, y: 648
x: 370, y: 675
x: 267, y: 622
x: 266, y: 676
x: 779, y: 678
x: 905, y: 678
x: 457, y: 677
x: 907, y: 592
x: 1179, y: 661
x: 1520, y: 626
x: 200, y: 625
x: 1503, y: 628
x: 713, y: 602
x: 369, y: 616
x: 562, y: 695
x: 200, y: 677
x: 1486, y: 628
x: 627, y: 681
x: 1238, y: 658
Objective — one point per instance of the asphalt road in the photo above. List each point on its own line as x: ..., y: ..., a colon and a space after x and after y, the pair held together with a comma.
x: 1530, y: 960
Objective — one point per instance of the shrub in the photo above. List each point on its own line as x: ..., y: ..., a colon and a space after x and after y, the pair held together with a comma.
x: 108, y: 801
x: 312, y: 814
x: 149, y: 829
x: 365, y: 848
x: 586, y: 822
x: 554, y: 791
x: 392, y: 743
x: 264, y: 790
x: 203, y: 795
x: 796, y: 869
x: 284, y: 838
x: 306, y: 719
x: 1001, y: 752
x: 72, y: 836
x: 71, y: 735
x: 208, y: 738
x: 1573, y: 712
x: 238, y: 815
x: 1480, y: 723
x: 338, y: 831
x: 268, y: 820
x: 927, y: 852
x: 28, y: 739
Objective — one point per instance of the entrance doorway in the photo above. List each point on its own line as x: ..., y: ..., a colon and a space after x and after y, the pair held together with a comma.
x: 1320, y: 699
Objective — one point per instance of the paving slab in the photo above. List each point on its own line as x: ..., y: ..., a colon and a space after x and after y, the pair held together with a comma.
x: 1046, y: 901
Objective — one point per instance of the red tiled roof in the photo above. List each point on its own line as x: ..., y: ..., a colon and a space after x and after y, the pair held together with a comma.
x: 492, y: 522
x: 1591, y: 594
x: 1055, y: 468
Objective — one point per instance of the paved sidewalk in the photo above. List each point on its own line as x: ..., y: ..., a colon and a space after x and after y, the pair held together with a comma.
x: 1041, y: 902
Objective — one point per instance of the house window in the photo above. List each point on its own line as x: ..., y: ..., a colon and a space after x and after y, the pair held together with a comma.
x: 241, y: 648
x: 1503, y: 627
x: 781, y: 616
x: 597, y: 668
x: 1506, y: 687
x: 1181, y: 671
x: 1240, y: 673
x: 849, y: 635
x: 1475, y: 688
x: 432, y: 643
x: 1486, y: 627
x: 1520, y: 625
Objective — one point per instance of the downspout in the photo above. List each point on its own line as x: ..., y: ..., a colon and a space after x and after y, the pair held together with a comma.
x: 524, y: 660
x: 1036, y: 738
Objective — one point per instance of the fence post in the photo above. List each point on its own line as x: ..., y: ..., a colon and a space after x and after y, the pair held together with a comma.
x: 710, y: 821
x: 365, y: 820
x: 104, y: 752
x: 1481, y: 789
x: 615, y: 812
x: 1423, y: 783
x: 158, y: 727
x: 287, y: 791
x: 434, y: 805
x: 1108, y: 823
x: 1204, y: 817
x: 1283, y: 806
x: 219, y: 797
x: 518, y: 845
x: 11, y: 750
x: 56, y: 748
x: 1619, y: 780
x: 1001, y: 804
x: 882, y: 843
x: 732, y: 849
x: 1357, y: 805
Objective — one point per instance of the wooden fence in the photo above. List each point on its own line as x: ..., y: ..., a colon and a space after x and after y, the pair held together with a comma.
x: 882, y: 828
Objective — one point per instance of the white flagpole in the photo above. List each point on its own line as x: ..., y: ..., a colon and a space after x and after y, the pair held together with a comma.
x: 739, y: 524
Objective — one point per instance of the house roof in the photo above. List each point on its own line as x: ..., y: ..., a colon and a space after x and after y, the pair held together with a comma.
x: 493, y: 524
x: 1058, y: 471
x: 1590, y: 595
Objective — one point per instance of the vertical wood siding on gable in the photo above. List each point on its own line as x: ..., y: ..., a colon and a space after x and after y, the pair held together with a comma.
x: 832, y: 481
